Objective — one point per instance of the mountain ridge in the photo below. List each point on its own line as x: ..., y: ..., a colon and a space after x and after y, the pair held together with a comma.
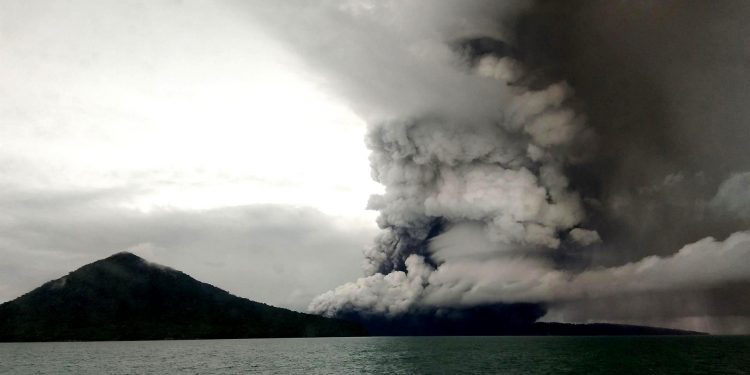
x: 125, y: 297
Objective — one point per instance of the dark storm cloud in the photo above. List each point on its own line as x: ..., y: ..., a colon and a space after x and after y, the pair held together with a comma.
x: 276, y: 254
x: 664, y: 83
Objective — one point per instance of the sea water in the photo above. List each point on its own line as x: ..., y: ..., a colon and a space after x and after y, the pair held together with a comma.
x: 387, y: 355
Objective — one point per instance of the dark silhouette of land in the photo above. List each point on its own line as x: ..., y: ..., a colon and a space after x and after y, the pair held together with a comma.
x: 516, y: 319
x: 124, y: 297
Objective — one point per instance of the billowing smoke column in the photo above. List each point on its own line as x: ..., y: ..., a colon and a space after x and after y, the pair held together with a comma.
x: 501, y: 174
x: 503, y: 185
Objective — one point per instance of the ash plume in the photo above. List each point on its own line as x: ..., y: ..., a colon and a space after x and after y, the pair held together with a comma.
x: 553, y: 153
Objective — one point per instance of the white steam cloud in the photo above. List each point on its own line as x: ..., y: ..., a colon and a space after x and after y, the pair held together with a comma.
x: 469, y: 281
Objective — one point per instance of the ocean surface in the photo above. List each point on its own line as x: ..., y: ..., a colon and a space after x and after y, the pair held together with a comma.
x: 387, y: 355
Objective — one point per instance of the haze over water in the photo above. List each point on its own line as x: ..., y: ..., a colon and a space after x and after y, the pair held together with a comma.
x: 391, y: 355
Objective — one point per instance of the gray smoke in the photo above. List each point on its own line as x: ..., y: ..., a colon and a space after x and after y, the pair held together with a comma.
x: 665, y: 86
x: 503, y: 172
x: 566, y: 153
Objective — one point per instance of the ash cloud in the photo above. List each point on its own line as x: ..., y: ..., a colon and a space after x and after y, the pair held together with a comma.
x: 664, y: 85
x: 559, y: 153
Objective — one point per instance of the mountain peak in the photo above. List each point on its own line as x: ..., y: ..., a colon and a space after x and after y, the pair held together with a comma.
x: 123, y: 256
x: 125, y: 297
x: 125, y: 263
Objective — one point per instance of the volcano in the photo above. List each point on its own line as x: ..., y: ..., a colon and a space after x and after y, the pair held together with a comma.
x: 124, y: 297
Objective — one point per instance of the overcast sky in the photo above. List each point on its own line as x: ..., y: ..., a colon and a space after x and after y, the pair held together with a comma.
x: 578, y: 154
x: 180, y: 132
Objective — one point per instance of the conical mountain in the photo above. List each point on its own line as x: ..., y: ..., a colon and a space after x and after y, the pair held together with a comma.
x: 124, y: 297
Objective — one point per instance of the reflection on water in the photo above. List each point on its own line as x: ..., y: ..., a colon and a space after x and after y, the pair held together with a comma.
x: 393, y: 355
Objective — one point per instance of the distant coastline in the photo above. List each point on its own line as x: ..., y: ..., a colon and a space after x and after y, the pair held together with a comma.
x: 126, y: 298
